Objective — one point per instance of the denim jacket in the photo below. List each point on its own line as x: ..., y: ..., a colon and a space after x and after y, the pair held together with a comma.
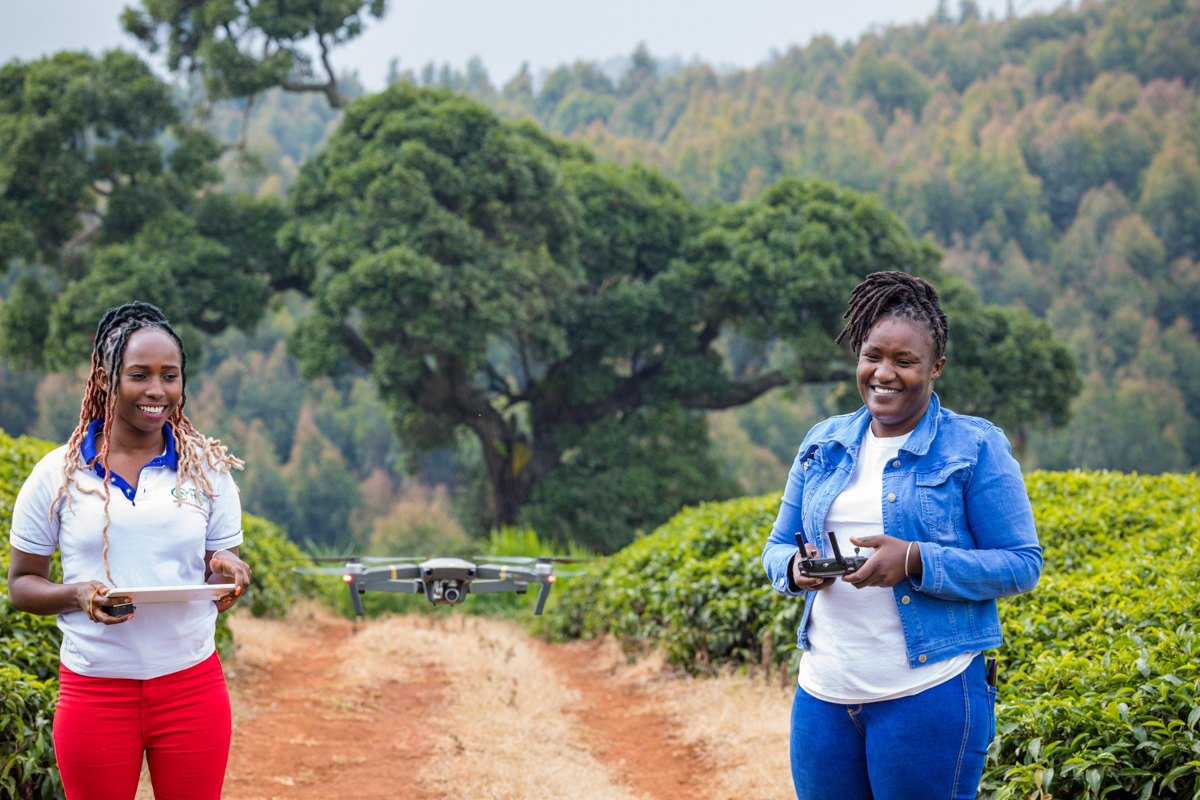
x: 955, y: 488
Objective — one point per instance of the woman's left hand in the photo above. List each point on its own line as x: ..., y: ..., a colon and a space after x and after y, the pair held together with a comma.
x: 886, y: 566
x: 228, y: 565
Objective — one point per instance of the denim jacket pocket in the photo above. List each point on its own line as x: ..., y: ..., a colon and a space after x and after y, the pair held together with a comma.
x: 814, y: 471
x: 942, y: 501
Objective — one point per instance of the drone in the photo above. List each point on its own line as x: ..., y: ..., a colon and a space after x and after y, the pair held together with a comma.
x: 443, y: 581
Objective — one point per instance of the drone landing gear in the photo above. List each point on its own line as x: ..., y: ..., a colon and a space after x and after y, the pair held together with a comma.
x: 543, y: 595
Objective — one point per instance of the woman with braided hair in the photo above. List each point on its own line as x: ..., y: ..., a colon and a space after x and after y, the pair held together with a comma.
x: 895, y: 700
x: 137, y: 497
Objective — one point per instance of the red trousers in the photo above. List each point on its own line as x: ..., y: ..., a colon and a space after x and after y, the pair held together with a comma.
x: 181, y: 722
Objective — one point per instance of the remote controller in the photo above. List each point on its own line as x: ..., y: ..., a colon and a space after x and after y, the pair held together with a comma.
x: 829, y: 567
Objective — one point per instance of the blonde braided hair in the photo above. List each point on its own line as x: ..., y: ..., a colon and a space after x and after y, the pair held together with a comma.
x: 193, y: 449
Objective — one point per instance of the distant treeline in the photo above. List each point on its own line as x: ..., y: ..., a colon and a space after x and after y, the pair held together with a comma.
x: 1055, y: 158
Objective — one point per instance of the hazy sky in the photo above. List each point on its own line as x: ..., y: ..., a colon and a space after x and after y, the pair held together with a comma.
x: 503, y: 34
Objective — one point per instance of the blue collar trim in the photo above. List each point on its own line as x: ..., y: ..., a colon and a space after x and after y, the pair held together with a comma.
x: 87, y: 448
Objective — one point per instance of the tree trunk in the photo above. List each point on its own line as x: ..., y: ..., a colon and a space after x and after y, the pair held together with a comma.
x: 514, y: 464
x: 507, y: 456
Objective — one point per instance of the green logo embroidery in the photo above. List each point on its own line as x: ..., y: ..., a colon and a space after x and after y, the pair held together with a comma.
x: 188, y: 496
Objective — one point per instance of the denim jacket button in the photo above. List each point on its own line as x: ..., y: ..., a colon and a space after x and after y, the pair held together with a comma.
x: 805, y: 467
x: 922, y: 658
x: 906, y: 599
x: 896, y: 463
x: 891, y: 498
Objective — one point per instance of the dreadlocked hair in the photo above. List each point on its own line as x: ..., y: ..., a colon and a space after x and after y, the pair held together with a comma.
x: 894, y: 294
x: 194, y: 450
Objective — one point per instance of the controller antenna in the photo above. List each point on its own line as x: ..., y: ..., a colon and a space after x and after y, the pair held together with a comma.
x: 837, y: 551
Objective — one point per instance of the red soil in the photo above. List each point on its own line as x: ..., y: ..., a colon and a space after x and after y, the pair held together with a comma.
x: 296, y: 737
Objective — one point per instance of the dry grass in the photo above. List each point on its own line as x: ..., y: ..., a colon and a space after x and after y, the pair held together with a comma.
x: 506, y: 728
x: 739, y: 722
x: 506, y: 731
x: 261, y: 642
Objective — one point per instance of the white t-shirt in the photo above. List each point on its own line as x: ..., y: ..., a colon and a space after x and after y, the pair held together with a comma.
x: 152, y: 542
x: 856, y: 651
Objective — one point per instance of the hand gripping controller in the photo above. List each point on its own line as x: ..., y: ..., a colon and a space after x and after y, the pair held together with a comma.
x: 828, y: 567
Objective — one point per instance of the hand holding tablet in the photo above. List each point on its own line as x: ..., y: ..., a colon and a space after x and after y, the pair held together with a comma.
x: 175, y: 594
x: 167, y: 594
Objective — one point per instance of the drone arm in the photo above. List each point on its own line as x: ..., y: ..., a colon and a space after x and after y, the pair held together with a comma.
x: 391, y: 572
x: 488, y: 586
x: 499, y: 572
x: 399, y: 587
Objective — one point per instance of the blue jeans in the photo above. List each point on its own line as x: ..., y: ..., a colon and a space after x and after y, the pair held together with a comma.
x: 931, y: 745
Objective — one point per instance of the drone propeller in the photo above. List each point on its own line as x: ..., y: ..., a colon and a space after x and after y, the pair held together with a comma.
x: 368, y: 559
x: 319, y: 570
x: 532, y: 559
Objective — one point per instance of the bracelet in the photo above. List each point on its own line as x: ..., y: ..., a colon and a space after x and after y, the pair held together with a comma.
x: 214, y: 555
x: 906, y: 552
x: 92, y: 599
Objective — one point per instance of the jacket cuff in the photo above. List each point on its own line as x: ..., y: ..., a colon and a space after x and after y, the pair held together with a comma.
x: 792, y: 587
x: 931, y: 568
x: 785, y: 585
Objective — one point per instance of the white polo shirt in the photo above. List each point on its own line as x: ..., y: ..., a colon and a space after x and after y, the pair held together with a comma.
x: 153, y: 541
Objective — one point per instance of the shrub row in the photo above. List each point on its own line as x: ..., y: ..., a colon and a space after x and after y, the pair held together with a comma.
x: 1101, y: 664
x: 695, y: 587
x: 28, y: 655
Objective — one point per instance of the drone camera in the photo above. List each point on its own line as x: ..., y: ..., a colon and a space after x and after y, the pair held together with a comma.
x: 445, y: 592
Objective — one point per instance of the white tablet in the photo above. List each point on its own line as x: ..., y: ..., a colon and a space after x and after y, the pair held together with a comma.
x: 174, y: 594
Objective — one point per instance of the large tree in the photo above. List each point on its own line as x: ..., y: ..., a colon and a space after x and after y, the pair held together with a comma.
x: 494, y: 279
x: 242, y: 47
x: 104, y: 196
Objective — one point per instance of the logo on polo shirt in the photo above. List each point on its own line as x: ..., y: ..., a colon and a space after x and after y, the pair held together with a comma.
x: 189, y: 497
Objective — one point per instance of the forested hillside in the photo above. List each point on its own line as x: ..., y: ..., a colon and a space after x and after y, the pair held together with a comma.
x: 1055, y: 160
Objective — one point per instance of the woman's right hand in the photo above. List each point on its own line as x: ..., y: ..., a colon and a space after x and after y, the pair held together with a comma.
x: 92, y: 597
x: 804, y: 583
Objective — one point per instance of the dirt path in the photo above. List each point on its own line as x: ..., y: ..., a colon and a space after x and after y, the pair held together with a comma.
x: 301, y: 733
x: 448, y: 707
x: 631, y: 735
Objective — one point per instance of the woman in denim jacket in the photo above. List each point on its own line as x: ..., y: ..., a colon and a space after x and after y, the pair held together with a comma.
x: 893, y: 701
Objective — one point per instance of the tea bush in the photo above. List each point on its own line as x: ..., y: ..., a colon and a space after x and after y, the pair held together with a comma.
x: 1102, y: 661
x: 27, y: 766
x: 1100, y: 665
x: 696, y: 586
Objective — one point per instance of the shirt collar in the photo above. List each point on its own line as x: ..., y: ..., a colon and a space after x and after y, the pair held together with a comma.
x: 87, y: 448
x: 851, y: 434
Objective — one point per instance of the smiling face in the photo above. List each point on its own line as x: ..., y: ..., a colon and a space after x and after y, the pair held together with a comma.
x: 150, y: 386
x: 896, y: 370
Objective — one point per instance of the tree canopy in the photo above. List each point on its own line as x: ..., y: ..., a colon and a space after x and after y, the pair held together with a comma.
x: 575, y: 319
x: 102, y: 198
x: 492, y: 278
